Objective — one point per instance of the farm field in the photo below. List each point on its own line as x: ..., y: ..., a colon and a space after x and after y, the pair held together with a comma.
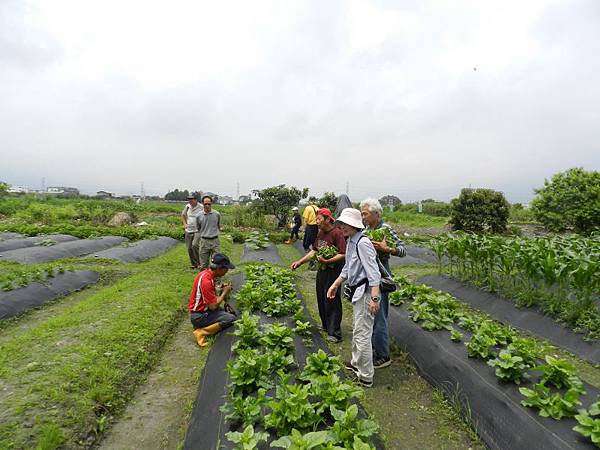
x: 114, y: 365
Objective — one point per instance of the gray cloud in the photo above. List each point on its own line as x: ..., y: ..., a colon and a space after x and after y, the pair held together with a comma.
x: 417, y: 100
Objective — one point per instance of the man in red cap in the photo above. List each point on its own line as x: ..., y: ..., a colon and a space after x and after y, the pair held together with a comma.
x: 330, y: 310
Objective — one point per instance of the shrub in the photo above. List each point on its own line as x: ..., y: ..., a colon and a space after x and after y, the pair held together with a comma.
x: 571, y: 199
x: 479, y: 210
x: 437, y: 209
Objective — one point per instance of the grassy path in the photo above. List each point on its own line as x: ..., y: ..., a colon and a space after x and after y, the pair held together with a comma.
x: 66, y: 370
x: 411, y: 414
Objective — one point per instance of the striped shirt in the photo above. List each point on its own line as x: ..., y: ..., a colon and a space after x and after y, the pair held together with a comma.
x: 358, y: 268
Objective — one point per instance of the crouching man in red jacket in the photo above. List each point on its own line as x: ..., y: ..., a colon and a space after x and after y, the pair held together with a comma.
x: 206, y: 313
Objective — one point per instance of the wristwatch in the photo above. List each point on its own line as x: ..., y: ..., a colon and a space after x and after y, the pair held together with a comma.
x: 375, y: 299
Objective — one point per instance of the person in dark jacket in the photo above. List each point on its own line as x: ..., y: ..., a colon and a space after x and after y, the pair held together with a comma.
x: 296, y: 222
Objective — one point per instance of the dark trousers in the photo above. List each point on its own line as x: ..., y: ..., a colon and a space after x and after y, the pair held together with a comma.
x: 330, y: 310
x: 295, y: 229
x: 201, y: 320
x: 310, y: 234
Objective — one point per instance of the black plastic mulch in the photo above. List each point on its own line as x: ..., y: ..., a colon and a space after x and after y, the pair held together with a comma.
x: 268, y: 254
x: 414, y: 255
x: 298, y: 246
x: 18, y: 301
x: 14, y: 243
x: 140, y: 250
x: 208, y: 427
x: 492, y: 406
x: 9, y: 235
x: 530, y: 320
x: 62, y: 250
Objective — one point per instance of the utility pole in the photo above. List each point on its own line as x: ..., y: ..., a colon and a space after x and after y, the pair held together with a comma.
x: 142, y: 192
x: 43, y: 184
x: 238, y: 191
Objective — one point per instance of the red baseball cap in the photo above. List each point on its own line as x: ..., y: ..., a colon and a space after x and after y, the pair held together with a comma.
x: 325, y: 213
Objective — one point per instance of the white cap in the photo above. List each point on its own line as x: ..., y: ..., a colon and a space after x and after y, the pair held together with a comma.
x: 352, y: 217
x: 295, y: 208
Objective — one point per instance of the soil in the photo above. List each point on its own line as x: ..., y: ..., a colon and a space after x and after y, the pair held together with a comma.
x: 157, y: 417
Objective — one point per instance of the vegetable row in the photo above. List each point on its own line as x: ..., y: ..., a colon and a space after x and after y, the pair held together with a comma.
x: 14, y: 276
x: 558, y: 389
x: 270, y: 398
x: 560, y: 274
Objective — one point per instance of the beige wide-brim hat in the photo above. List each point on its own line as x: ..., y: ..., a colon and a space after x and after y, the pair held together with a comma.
x: 352, y: 217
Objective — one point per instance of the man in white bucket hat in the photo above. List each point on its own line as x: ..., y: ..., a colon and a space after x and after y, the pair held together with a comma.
x: 362, y: 273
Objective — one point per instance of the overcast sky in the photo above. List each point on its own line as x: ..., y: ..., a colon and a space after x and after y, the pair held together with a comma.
x: 412, y: 98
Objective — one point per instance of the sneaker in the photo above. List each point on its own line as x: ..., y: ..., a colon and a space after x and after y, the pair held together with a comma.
x: 381, y: 362
x: 348, y: 365
x: 364, y: 383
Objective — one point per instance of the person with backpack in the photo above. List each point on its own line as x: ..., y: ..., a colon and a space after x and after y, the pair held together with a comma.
x: 296, y: 222
x: 372, y: 216
x: 361, y: 272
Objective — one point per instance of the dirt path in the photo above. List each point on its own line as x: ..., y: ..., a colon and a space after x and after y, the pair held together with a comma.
x: 157, y: 416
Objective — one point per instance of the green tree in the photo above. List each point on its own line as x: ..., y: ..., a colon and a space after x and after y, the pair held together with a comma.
x: 479, y: 211
x: 329, y: 200
x: 279, y: 200
x: 3, y: 188
x: 571, y: 199
x: 388, y: 200
x: 177, y: 195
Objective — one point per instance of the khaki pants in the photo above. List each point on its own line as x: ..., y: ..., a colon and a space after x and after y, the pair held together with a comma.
x: 192, y: 242
x: 208, y: 247
x: 362, y: 329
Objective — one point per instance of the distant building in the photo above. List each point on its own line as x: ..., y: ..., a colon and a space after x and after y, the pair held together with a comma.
x: 225, y: 200
x: 18, y: 190
x: 243, y: 199
x: 62, y: 190
x: 104, y: 194
x: 215, y: 197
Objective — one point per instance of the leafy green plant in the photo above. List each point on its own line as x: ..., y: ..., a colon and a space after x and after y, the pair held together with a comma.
x: 456, y: 335
x: 249, y: 371
x: 245, y: 409
x: 278, y: 337
x: 302, y: 328
x: 320, y: 364
x: 553, y: 405
x: 331, y: 391
x: 588, y: 425
x: 291, y: 408
x: 379, y: 235
x: 326, y: 252
x: 348, y: 426
x: 299, y: 441
x: 257, y: 240
x: 248, y: 439
x: 558, y: 372
x: 247, y: 331
x: 509, y: 367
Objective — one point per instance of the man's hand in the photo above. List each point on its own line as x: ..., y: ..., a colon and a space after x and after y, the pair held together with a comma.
x: 227, y: 288
x: 373, y: 307
x: 381, y: 246
x: 322, y: 260
x: 295, y: 265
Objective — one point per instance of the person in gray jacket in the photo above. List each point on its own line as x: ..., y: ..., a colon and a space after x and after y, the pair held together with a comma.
x: 362, y: 273
x: 209, y: 227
